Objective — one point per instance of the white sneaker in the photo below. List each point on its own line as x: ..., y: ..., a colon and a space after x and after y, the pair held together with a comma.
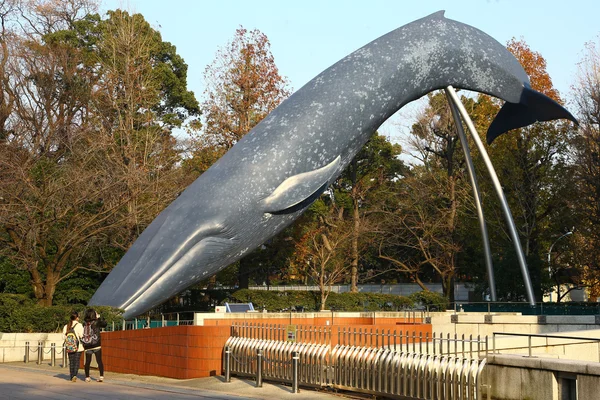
x: 88, y: 379
x: 101, y: 379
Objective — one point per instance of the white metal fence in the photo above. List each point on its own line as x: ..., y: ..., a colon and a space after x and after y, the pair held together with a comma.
x: 379, y: 362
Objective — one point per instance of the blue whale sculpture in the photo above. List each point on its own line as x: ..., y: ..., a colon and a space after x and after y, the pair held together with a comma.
x: 264, y: 182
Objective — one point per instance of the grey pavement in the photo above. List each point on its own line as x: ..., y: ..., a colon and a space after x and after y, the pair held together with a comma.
x: 32, y: 381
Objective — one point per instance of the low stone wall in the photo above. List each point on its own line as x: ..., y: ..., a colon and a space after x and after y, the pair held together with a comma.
x: 517, y: 377
x: 12, y: 345
x: 485, y: 324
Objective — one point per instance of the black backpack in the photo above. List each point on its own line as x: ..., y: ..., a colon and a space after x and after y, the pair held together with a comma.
x: 91, y: 336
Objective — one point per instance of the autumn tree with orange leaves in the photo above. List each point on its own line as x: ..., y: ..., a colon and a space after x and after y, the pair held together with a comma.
x: 243, y: 86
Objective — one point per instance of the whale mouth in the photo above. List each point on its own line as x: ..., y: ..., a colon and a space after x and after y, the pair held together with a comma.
x: 149, y: 260
x: 191, y: 267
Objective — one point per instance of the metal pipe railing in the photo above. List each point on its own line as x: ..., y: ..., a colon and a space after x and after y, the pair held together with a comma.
x: 53, y: 354
x: 295, y: 362
x: 40, y: 353
x: 377, y: 370
x: 259, y: 367
x: 530, y: 336
x: 227, y: 364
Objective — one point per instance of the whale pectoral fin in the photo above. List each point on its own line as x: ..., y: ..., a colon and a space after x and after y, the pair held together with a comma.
x: 534, y: 106
x: 300, y: 190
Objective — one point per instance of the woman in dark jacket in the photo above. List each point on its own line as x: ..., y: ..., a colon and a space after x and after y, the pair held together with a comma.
x: 91, y: 342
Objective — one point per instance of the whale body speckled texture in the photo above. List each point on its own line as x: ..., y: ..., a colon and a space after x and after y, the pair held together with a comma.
x: 264, y: 182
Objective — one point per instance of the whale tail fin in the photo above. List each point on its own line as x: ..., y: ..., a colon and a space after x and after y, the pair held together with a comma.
x: 534, y: 106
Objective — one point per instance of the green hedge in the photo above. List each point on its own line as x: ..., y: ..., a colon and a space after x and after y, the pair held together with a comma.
x: 19, y: 313
x: 429, y: 300
x: 274, y: 300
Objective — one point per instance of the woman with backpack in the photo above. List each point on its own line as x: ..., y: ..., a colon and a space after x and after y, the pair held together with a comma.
x: 73, y: 331
x: 91, y: 342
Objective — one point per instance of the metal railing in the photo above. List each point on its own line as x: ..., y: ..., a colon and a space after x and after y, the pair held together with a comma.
x: 248, y: 356
x: 396, y: 339
x: 169, y: 319
x: 373, y: 361
x: 382, y: 371
x: 308, y: 334
x: 40, y: 351
x: 580, y: 340
x: 540, y: 308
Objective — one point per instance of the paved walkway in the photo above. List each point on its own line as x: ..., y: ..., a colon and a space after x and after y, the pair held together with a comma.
x: 31, y: 381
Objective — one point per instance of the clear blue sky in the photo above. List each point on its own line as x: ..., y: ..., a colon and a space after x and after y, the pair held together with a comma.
x: 308, y: 36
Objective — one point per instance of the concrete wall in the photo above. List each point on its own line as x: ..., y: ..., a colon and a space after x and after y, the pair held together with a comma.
x: 517, y: 378
x: 485, y: 324
x: 12, y: 345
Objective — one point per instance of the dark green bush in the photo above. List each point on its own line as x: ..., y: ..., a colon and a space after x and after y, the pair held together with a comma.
x: 431, y: 300
x: 19, y: 313
x: 275, y: 301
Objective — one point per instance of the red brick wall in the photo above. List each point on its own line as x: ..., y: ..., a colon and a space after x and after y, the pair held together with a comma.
x: 181, y: 352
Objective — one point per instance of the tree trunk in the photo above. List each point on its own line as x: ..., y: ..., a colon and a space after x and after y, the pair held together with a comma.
x: 323, y: 299
x: 355, y: 227
x: 243, y: 274
x: 43, y: 291
x: 448, y: 285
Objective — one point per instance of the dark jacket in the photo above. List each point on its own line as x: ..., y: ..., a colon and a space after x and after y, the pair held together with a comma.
x: 95, y: 326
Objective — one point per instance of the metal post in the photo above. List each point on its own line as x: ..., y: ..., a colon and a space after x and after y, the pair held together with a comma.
x: 295, y: 360
x: 227, y: 364
x: 26, y: 352
x: 113, y: 326
x: 162, y: 320
x: 529, y: 344
x: 53, y: 354
x: 177, y: 319
x: 499, y: 192
x: 259, y: 367
x: 550, y: 270
x: 40, y: 359
x: 124, y: 322
x: 476, y: 194
x: 64, y: 356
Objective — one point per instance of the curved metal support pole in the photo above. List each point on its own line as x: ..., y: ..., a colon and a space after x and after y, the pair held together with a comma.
x: 505, y: 208
x: 476, y: 194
